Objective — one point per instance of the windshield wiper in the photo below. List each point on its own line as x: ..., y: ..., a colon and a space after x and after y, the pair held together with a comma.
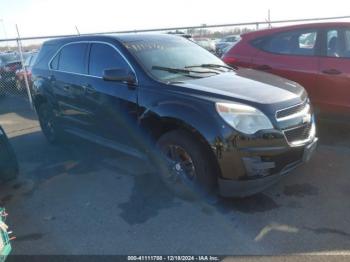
x: 187, y: 72
x: 212, y: 66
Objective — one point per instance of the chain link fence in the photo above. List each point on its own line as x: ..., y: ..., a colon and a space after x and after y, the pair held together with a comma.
x: 15, y: 68
x: 18, y: 55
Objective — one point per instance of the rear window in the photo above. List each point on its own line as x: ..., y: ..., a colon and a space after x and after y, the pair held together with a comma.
x: 300, y: 42
x: 72, y: 58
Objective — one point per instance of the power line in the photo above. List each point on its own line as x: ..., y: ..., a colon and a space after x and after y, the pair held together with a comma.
x: 183, y: 28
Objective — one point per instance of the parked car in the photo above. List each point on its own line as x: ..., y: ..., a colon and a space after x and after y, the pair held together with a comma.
x: 26, y: 70
x: 224, y: 50
x: 8, y: 160
x: 314, y: 55
x: 205, y: 43
x: 225, y: 42
x: 182, y: 34
x: 9, y: 64
x: 210, y: 125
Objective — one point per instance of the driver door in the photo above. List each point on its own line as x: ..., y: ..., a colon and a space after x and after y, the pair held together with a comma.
x: 114, y: 104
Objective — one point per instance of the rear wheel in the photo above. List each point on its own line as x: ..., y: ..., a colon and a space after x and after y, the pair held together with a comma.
x: 48, y: 124
x: 186, y: 167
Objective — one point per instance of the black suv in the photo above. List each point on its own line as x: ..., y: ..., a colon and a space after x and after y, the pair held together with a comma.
x: 237, y: 130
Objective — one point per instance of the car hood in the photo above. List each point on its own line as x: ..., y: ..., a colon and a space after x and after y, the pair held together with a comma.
x: 249, y: 85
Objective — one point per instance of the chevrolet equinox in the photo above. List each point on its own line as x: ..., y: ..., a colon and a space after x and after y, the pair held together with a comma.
x: 214, y: 127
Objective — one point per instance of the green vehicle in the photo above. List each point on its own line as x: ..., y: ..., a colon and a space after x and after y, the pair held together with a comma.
x: 5, y: 246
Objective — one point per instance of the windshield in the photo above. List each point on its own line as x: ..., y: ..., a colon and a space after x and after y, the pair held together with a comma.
x: 173, y: 53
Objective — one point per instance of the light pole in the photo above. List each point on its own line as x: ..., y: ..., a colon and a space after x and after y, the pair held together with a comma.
x: 5, y: 34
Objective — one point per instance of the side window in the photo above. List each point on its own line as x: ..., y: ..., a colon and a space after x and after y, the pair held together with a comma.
x: 292, y: 43
x: 347, y: 44
x: 307, y: 40
x: 338, y: 43
x: 72, y: 58
x: 332, y: 43
x: 103, y: 57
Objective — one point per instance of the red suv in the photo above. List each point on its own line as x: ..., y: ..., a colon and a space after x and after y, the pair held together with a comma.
x: 317, y: 56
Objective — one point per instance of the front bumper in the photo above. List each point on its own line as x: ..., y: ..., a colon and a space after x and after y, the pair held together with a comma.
x: 248, y: 170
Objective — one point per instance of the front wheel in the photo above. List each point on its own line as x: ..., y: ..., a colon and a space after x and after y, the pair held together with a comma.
x: 186, y: 166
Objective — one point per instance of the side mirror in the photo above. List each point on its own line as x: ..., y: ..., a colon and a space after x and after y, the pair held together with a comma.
x: 119, y: 75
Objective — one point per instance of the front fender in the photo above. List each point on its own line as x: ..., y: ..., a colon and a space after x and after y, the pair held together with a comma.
x: 198, y: 117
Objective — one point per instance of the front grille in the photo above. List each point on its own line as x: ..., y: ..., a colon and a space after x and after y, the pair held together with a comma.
x: 291, y: 110
x: 299, y: 133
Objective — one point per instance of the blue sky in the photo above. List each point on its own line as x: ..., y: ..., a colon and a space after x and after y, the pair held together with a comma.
x: 51, y: 17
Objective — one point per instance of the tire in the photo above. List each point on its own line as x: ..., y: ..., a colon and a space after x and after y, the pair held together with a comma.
x: 48, y: 124
x: 8, y: 160
x: 192, y: 173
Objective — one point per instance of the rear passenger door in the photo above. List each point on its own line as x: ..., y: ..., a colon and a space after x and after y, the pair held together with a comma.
x: 293, y: 55
x: 334, y: 78
x: 113, y: 103
x: 68, y: 77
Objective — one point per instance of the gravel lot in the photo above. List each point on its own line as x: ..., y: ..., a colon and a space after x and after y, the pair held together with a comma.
x: 84, y: 199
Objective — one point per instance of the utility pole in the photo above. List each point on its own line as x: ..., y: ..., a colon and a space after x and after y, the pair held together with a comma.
x: 19, y: 44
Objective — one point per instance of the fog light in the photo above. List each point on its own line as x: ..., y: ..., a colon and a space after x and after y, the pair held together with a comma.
x: 254, y: 166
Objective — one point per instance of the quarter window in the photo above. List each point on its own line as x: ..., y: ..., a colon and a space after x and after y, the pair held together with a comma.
x: 54, y: 62
x: 72, y: 58
x: 292, y: 43
x: 103, y: 57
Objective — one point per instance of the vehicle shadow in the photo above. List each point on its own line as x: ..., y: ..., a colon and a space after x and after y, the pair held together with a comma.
x: 281, y: 220
x: 17, y: 104
x: 333, y: 133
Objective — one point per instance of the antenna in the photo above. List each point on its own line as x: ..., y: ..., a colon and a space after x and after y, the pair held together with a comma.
x: 76, y: 28
x: 269, y: 17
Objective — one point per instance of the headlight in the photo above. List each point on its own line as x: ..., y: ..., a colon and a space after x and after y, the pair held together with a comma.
x: 243, y: 118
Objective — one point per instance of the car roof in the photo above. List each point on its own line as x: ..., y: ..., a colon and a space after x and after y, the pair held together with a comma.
x: 263, y: 32
x: 130, y: 37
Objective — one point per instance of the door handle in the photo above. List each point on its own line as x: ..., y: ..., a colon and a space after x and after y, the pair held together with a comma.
x: 263, y: 67
x: 66, y: 87
x: 331, y: 71
x: 52, y: 78
x: 89, y: 89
